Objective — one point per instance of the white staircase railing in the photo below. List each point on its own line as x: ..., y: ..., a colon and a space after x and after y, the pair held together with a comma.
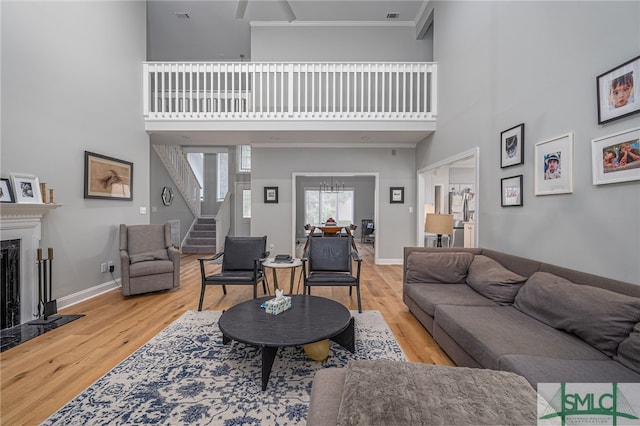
x: 291, y: 91
x: 176, y: 163
x: 223, y: 222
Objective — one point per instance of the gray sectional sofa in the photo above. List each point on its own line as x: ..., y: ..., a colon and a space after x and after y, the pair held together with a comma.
x: 499, y: 314
x: 549, y: 324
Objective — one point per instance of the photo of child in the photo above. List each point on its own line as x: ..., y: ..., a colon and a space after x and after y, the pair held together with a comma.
x: 621, y: 91
x: 622, y: 156
x: 552, y: 166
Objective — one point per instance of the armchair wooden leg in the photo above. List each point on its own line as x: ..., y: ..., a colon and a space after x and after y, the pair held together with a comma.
x: 359, y: 302
x: 255, y: 291
x: 224, y: 289
x: 201, y: 297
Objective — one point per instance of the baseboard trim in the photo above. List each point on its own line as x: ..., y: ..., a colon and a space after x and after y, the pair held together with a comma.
x: 389, y: 262
x: 86, y: 294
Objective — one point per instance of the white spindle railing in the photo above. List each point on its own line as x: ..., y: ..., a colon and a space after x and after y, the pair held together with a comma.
x: 180, y: 171
x: 304, y: 91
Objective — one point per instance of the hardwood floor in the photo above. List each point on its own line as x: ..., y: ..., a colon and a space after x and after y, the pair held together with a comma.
x: 41, y: 375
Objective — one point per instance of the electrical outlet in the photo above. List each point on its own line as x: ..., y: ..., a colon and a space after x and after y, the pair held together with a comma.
x: 103, y: 267
x: 271, y: 247
x: 110, y: 266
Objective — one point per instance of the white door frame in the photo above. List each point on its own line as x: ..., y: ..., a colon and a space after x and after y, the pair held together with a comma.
x: 376, y: 178
x: 424, y: 175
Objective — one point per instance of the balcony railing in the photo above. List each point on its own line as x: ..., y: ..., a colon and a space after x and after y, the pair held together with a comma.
x: 291, y: 91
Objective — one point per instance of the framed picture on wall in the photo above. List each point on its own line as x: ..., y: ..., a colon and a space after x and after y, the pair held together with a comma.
x: 271, y: 194
x: 619, y: 91
x: 616, y: 158
x: 512, y: 146
x: 553, y: 164
x: 511, y: 191
x: 396, y: 195
x: 107, y: 177
x: 27, y: 188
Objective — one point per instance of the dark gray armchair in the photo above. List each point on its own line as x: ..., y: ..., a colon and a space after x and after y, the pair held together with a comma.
x: 148, y: 260
x: 329, y: 262
x: 241, y: 265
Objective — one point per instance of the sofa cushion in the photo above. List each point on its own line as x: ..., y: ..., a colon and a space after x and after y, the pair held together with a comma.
x: 537, y: 369
x: 600, y: 317
x: 488, y: 332
x: 492, y: 280
x: 428, y: 296
x: 402, y: 393
x: 446, y: 268
x: 160, y: 254
x: 629, y: 350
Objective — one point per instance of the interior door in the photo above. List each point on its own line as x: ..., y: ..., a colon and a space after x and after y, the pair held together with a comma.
x: 243, y: 209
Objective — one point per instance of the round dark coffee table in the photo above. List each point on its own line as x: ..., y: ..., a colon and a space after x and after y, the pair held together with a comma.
x: 310, y: 319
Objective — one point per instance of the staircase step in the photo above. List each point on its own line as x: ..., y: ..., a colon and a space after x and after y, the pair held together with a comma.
x: 206, y: 220
x: 207, y: 227
x: 201, y: 241
x: 188, y: 248
x: 202, y: 234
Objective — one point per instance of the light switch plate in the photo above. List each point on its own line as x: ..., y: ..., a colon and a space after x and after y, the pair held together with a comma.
x: 143, y: 210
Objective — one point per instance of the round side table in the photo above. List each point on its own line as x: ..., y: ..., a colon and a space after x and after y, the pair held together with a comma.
x: 295, y: 263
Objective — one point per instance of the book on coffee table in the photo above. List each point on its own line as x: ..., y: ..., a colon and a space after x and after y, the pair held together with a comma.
x: 283, y: 258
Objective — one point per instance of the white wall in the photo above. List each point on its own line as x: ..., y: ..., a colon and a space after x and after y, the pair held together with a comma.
x: 504, y: 63
x: 275, y: 166
x: 72, y: 81
x: 338, y: 44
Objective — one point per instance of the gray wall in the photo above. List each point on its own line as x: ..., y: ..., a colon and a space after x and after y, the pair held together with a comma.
x: 178, y: 209
x: 364, y: 200
x: 71, y: 82
x: 504, y: 63
x: 338, y: 44
x: 275, y: 166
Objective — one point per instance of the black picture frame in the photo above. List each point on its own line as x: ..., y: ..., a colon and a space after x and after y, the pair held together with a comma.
x: 107, y: 177
x: 271, y: 195
x: 512, y: 146
x: 624, y: 76
x: 511, y: 191
x: 396, y: 195
x: 6, y: 192
x: 167, y: 195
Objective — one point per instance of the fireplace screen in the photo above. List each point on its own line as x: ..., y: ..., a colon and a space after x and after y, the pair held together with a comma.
x: 10, y: 271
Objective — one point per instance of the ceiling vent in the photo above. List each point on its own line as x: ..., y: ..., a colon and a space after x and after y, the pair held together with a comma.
x: 393, y: 15
x: 182, y: 15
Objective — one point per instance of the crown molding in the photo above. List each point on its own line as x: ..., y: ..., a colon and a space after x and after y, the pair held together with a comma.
x: 332, y: 24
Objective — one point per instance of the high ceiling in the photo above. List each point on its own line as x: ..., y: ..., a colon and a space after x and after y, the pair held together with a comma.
x: 211, y: 32
x: 208, y: 30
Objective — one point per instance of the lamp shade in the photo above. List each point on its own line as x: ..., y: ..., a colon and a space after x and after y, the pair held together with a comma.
x: 439, y: 224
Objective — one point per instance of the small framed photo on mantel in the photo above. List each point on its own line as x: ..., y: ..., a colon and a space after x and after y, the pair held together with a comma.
x: 512, y: 146
x: 27, y: 188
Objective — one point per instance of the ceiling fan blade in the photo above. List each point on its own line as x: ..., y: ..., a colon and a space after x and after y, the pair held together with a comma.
x: 241, y: 9
x: 288, y: 10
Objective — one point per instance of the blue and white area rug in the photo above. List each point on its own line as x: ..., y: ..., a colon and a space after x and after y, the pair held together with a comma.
x: 185, y: 375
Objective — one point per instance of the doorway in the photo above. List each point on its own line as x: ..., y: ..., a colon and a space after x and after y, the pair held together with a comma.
x: 242, y: 206
x: 434, y: 184
x: 297, y: 200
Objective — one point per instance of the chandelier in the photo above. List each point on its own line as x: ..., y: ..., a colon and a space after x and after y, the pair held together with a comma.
x: 331, y: 186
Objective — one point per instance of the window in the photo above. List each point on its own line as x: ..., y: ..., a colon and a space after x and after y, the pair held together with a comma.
x: 319, y: 206
x: 223, y: 175
x: 246, y: 204
x: 244, y: 154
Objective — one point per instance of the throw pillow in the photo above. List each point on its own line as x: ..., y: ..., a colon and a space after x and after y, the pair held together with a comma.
x: 444, y: 268
x: 494, y: 281
x: 149, y: 255
x: 600, y: 317
x: 629, y: 350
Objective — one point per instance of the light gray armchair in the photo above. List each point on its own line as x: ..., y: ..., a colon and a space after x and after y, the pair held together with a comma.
x: 148, y: 260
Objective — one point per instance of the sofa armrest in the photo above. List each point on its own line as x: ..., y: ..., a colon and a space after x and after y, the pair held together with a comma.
x: 326, y: 394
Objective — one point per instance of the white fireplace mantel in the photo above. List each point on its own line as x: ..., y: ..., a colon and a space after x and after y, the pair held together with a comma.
x: 23, y: 222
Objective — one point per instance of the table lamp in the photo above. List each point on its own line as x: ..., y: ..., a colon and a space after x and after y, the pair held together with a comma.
x: 439, y: 224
